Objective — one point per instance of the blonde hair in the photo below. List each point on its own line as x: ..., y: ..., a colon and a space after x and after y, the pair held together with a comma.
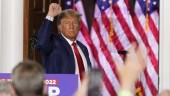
x: 68, y: 12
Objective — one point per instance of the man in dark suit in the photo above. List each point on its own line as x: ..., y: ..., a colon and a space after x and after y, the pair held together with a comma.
x: 58, y: 53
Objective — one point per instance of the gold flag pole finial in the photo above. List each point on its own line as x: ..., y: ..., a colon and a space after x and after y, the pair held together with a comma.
x: 147, y: 18
x: 111, y: 32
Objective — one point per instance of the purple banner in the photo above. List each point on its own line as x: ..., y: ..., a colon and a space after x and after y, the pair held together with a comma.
x: 56, y: 84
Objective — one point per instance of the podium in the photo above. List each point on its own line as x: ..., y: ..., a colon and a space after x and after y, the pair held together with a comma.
x: 56, y: 84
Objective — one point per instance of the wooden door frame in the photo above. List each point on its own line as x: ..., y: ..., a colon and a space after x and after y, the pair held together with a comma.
x: 26, y: 30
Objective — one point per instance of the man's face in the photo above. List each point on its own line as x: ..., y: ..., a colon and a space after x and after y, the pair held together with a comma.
x: 69, y: 27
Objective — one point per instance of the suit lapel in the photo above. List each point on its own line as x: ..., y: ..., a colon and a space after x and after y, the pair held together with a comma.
x: 69, y: 49
x: 85, y: 52
x: 82, y: 48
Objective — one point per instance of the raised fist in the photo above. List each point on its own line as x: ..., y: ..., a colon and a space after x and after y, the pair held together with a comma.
x: 54, y: 9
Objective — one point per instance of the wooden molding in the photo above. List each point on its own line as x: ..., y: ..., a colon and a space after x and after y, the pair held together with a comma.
x: 26, y: 29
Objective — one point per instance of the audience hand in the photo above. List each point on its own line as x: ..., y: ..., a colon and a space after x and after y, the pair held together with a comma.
x: 83, y: 90
x: 134, y: 65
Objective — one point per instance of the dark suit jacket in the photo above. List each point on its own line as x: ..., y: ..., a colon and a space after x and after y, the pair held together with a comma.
x: 57, y: 55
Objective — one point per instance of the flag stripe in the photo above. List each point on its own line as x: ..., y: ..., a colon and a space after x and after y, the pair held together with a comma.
x: 142, y: 33
x: 104, y: 47
x: 123, y: 23
x: 151, y: 40
x: 144, y: 38
x: 153, y: 90
x: 80, y: 9
x: 143, y: 87
x: 95, y: 55
x: 153, y: 28
x: 149, y: 52
x: 155, y: 18
x: 104, y: 63
x: 151, y: 83
x: 106, y: 24
x: 104, y: 54
x: 117, y: 11
x: 104, y: 91
x: 85, y: 33
x: 150, y: 37
x: 115, y: 37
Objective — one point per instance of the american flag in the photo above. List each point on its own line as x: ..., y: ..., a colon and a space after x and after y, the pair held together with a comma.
x: 127, y: 29
x: 123, y: 36
x: 149, y: 40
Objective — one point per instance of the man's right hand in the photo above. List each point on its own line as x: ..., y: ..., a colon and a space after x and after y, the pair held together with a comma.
x: 54, y: 10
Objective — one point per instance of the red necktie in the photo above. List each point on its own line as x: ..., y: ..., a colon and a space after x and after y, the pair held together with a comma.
x: 79, y: 60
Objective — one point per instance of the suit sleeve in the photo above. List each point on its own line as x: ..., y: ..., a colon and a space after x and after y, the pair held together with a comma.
x: 44, y: 42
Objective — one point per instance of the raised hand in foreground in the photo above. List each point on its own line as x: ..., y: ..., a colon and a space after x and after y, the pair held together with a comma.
x: 134, y: 64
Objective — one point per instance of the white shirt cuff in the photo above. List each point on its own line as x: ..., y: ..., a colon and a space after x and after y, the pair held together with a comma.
x: 49, y: 18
